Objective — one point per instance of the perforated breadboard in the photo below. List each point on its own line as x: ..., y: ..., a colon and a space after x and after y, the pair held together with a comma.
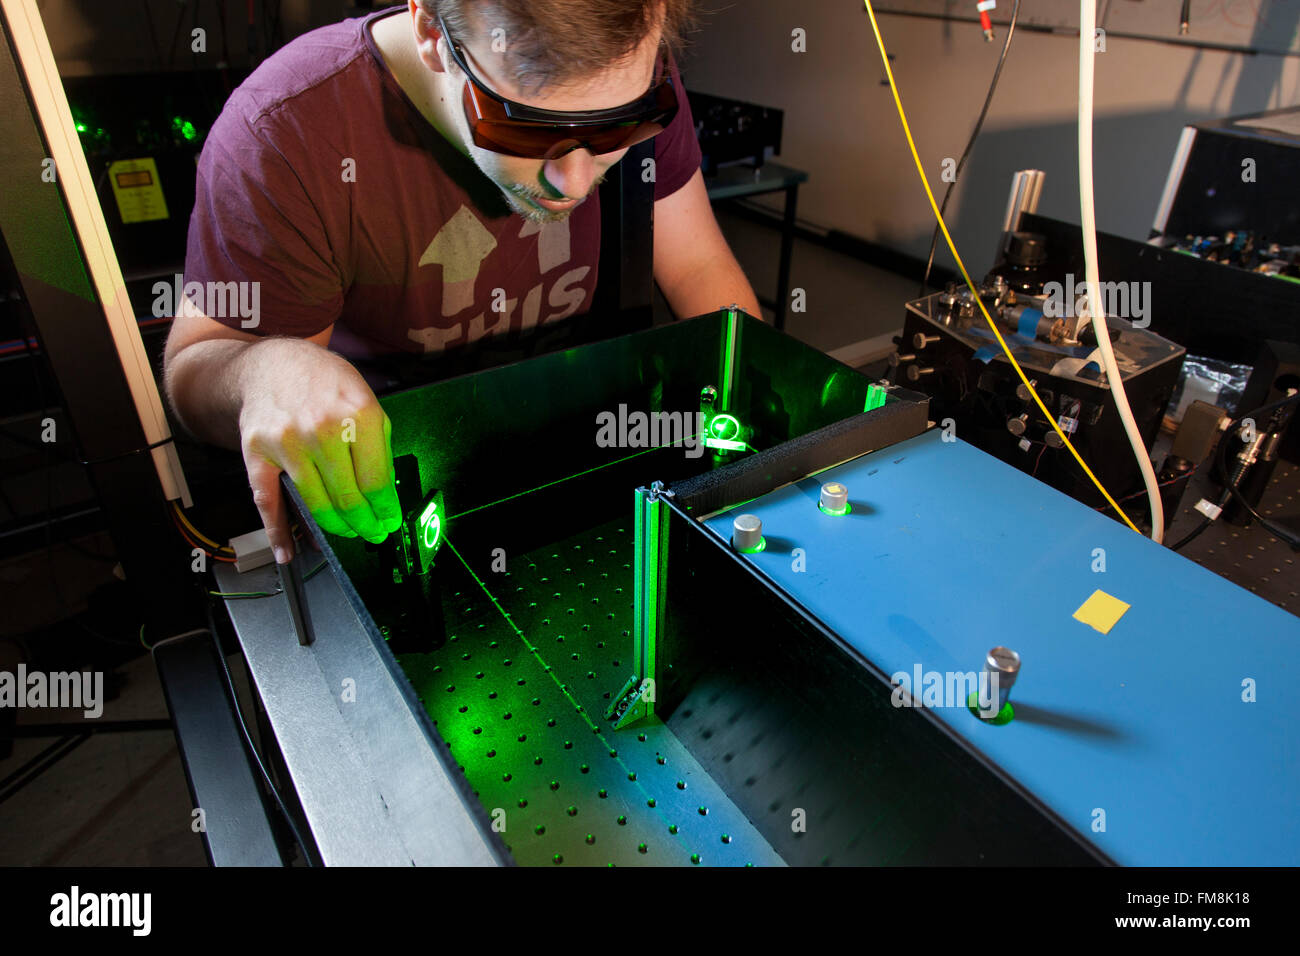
x: 518, y: 692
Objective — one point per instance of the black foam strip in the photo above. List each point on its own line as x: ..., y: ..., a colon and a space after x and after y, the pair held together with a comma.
x: 903, y: 417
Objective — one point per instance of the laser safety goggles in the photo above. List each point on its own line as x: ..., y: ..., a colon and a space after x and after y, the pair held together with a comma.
x: 504, y: 126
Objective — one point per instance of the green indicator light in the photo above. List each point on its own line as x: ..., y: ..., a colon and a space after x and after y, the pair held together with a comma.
x: 762, y: 546
x: 836, y: 514
x: 185, y: 128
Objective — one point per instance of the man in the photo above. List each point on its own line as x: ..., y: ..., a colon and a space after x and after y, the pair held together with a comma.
x: 390, y: 186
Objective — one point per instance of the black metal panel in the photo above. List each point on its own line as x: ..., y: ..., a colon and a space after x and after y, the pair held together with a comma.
x: 1213, y: 195
x: 528, y: 431
x: 785, y: 388
x: 1210, y: 309
x: 794, y: 724
x: 221, y: 779
x: 625, y: 293
x: 542, y: 411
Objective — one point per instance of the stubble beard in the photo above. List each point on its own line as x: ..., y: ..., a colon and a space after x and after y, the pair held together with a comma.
x: 518, y: 196
x: 519, y: 203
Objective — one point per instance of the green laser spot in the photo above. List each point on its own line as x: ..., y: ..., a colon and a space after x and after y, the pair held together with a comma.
x: 1004, y: 716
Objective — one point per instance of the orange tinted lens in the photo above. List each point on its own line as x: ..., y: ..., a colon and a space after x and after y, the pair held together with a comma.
x: 493, y: 130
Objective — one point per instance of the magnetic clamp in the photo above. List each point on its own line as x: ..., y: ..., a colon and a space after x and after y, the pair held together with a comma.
x: 747, y: 534
x: 834, y: 499
x: 1001, y: 668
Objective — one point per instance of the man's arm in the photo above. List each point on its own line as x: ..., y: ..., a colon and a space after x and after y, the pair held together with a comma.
x: 202, y: 365
x: 288, y: 405
x: 694, y: 266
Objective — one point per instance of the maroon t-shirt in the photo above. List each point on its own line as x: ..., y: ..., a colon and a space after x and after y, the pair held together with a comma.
x: 322, y: 181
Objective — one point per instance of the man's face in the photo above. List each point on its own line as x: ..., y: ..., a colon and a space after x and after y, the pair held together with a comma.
x: 545, y: 190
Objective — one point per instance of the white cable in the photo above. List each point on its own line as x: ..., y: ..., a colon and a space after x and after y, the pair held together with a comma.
x: 1088, y: 213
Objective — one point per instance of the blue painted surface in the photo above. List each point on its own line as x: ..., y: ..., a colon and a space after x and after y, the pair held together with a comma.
x: 949, y: 552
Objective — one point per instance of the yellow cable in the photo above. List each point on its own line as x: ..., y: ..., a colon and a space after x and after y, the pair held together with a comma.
x: 196, y: 532
x: 1051, y: 419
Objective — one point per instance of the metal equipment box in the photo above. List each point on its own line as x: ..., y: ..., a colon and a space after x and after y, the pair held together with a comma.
x: 606, y: 679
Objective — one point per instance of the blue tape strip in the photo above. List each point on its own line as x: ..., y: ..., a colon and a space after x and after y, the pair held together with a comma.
x: 986, y: 354
x: 1028, y: 325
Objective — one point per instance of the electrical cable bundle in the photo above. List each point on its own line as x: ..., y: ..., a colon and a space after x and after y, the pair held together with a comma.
x: 970, y: 144
x: 197, y: 539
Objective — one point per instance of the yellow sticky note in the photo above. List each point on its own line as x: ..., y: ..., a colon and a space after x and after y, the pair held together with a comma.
x: 1101, y: 612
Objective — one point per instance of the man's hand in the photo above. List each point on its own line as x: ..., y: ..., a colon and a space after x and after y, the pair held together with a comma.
x: 288, y: 405
x: 310, y: 414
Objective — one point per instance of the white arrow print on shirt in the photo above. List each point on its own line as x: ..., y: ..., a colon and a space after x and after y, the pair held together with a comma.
x: 460, y: 247
x: 553, y: 246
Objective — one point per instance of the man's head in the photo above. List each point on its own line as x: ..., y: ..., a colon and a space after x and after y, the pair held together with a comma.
x: 559, y: 55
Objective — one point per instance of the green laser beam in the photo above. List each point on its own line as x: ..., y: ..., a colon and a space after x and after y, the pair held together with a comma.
x: 729, y: 357
x: 557, y: 481
x: 520, y: 634
x: 679, y: 837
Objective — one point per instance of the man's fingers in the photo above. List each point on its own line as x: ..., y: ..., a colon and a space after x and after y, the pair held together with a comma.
x: 264, y: 479
x: 334, y: 459
x: 307, y: 479
x: 372, y: 459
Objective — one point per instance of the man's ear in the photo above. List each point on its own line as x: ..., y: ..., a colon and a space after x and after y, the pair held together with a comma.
x: 427, y: 35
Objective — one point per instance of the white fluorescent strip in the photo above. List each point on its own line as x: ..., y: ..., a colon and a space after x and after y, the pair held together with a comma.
x: 36, y: 60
